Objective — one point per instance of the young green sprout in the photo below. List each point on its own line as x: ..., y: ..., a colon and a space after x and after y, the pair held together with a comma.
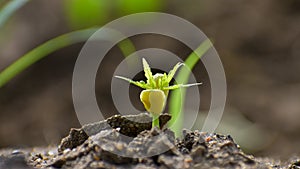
x: 156, y: 90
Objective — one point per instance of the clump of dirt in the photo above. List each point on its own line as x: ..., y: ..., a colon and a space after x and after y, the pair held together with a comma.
x: 130, y: 125
x: 130, y: 142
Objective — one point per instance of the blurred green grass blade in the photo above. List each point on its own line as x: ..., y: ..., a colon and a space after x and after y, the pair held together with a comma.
x: 52, y: 45
x: 9, y: 9
x: 127, y: 47
x: 41, y: 51
x: 82, y: 14
x: 177, y: 96
x: 126, y: 7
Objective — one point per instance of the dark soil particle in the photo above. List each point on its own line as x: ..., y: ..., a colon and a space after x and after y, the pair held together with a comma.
x: 76, y: 137
x: 124, y: 142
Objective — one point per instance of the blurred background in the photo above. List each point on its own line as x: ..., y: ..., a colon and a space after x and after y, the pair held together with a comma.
x: 258, y: 43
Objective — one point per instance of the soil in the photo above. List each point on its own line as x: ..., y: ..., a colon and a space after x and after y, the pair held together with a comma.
x: 131, y: 142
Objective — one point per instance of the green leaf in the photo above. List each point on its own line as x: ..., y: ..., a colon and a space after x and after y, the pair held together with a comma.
x: 172, y: 87
x: 148, y: 73
x: 140, y: 84
x: 180, y: 86
x: 190, y: 85
x: 173, y: 71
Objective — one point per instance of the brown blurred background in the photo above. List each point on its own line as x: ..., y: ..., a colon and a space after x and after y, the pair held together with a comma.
x: 258, y: 43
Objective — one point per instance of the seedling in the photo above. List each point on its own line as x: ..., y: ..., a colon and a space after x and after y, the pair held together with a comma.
x: 156, y: 89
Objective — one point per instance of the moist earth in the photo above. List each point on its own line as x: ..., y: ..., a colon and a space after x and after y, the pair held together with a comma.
x: 131, y: 142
